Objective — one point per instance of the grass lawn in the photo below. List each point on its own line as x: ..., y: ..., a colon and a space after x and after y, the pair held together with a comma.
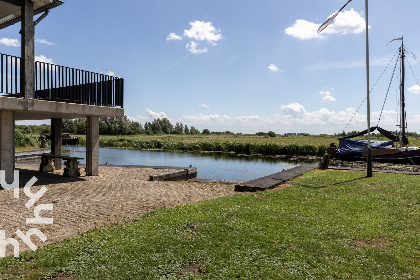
x: 326, y: 225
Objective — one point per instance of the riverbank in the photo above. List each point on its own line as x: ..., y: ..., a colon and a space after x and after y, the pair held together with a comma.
x: 362, y: 165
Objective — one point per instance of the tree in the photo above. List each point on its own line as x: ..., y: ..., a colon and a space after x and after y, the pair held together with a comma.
x: 206, y: 131
x: 271, y: 133
x: 186, y: 130
x: 179, y: 128
x: 194, y: 131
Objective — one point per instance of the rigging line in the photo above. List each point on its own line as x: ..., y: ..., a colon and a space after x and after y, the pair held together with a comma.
x: 372, y: 88
x: 386, y: 96
x: 412, y: 54
x: 412, y: 71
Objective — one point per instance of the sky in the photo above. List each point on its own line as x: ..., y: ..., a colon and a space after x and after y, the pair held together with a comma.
x: 243, y: 66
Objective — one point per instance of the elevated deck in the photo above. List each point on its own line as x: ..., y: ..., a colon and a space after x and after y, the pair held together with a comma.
x: 63, y: 84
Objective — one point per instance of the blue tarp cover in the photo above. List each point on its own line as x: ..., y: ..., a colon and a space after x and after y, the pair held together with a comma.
x: 355, y: 148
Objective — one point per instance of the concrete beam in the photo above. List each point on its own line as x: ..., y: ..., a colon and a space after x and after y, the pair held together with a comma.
x: 56, y: 140
x: 28, y: 49
x: 35, y: 109
x: 7, y: 144
x: 92, y: 146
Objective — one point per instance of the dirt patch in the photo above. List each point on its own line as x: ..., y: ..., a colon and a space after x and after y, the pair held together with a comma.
x: 60, y: 277
x: 194, y: 269
x: 377, y: 243
x: 86, y: 202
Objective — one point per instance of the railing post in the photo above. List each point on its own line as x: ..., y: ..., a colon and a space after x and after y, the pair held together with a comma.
x: 28, y: 49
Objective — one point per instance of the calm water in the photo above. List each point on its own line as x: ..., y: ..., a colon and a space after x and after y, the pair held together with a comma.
x: 210, y: 166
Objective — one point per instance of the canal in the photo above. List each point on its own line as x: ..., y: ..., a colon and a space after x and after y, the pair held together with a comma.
x: 209, y: 165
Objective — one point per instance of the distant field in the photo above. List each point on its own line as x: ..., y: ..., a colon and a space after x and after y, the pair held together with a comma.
x: 313, y: 139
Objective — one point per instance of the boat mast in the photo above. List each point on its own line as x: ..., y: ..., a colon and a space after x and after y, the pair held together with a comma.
x: 402, y: 94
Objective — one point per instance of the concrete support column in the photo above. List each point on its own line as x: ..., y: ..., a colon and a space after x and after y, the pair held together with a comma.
x: 27, y: 49
x: 7, y: 144
x: 92, y: 146
x: 56, y: 142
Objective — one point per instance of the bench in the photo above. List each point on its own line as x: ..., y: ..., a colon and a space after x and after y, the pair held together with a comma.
x: 72, y: 164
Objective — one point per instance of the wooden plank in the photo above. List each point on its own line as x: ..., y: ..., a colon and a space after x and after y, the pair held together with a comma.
x: 187, y: 173
x: 271, y: 181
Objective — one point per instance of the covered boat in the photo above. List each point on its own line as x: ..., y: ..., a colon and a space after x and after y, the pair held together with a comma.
x: 396, y: 150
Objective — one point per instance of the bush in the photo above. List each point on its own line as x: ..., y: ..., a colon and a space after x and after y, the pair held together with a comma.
x: 271, y: 133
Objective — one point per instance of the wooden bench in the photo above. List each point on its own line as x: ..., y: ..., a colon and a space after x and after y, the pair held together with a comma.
x: 72, y: 164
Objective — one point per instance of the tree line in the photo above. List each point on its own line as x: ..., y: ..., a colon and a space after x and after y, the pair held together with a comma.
x: 125, y: 126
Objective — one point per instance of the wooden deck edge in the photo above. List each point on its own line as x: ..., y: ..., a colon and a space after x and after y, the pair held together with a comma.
x: 186, y: 174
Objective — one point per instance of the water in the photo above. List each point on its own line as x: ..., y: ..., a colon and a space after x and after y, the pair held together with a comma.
x: 210, y: 166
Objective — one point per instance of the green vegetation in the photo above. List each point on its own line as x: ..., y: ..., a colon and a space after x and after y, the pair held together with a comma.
x: 326, y: 225
x: 27, y: 137
x: 238, y: 144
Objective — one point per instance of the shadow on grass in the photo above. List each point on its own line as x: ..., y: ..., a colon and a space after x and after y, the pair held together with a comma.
x: 335, y: 184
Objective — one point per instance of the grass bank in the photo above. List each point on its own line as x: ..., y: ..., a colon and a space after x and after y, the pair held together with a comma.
x: 238, y: 144
x: 326, y: 225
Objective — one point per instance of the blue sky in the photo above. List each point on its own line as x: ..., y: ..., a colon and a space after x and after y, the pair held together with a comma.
x: 238, y: 65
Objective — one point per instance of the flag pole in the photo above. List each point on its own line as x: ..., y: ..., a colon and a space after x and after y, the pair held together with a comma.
x: 369, y: 149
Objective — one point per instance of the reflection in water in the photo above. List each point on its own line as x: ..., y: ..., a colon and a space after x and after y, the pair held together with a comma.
x: 210, y: 165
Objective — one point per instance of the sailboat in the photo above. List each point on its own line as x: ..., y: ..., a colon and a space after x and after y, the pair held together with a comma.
x: 396, y: 150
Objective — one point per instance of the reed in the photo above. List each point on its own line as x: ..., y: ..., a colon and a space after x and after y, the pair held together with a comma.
x: 267, y: 149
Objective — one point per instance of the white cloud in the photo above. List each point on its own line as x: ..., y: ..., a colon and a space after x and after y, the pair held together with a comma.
x: 294, y: 110
x: 110, y: 73
x: 173, y: 37
x: 204, y: 106
x: 10, y: 42
x: 303, y: 30
x: 203, y: 31
x: 199, y: 31
x: 192, y: 48
x: 291, y: 118
x: 328, y: 98
x: 346, y: 22
x: 414, y: 89
x: 155, y: 115
x: 273, y: 67
x: 43, y: 41
x: 150, y: 116
x: 43, y: 58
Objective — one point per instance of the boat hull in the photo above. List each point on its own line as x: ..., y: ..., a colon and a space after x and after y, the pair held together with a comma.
x: 404, y: 157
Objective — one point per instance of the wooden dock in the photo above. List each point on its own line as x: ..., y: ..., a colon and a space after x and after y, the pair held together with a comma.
x: 27, y: 155
x: 271, y: 181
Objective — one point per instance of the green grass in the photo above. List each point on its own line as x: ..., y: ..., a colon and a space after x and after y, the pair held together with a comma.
x: 326, y: 225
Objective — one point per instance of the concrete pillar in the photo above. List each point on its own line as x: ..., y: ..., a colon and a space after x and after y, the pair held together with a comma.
x: 7, y: 144
x: 92, y: 146
x: 27, y: 49
x: 56, y: 142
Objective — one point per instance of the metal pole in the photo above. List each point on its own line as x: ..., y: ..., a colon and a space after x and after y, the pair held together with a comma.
x: 369, y: 150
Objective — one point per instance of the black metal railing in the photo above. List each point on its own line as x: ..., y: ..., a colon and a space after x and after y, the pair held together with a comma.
x: 65, y: 84
x: 10, y: 75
